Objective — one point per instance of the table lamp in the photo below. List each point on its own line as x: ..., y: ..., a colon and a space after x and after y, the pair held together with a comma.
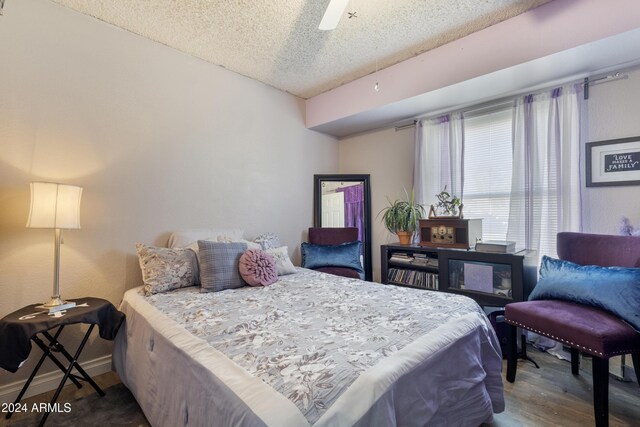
x: 55, y: 206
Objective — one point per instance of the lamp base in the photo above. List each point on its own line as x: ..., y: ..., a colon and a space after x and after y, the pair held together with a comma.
x: 57, y: 304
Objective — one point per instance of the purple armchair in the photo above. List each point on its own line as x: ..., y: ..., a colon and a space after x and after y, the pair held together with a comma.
x: 334, y: 236
x: 583, y: 328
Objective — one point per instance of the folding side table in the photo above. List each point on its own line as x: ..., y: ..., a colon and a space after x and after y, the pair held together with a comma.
x: 20, y: 328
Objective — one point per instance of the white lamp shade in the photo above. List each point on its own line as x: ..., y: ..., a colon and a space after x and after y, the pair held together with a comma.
x: 54, y: 205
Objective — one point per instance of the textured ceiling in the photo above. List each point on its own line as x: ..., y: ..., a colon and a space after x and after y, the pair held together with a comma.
x: 278, y: 41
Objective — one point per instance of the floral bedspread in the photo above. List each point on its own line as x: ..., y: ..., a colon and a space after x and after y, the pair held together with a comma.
x: 310, y: 335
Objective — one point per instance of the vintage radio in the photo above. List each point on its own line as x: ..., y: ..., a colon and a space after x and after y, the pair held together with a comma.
x: 450, y: 232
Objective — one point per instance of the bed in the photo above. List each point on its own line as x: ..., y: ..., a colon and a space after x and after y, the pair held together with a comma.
x: 311, y: 349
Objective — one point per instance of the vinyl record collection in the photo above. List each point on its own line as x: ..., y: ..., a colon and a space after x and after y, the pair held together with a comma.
x: 414, y: 278
x: 417, y: 259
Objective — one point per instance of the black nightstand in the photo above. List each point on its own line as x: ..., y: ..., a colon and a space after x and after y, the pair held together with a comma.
x: 20, y: 328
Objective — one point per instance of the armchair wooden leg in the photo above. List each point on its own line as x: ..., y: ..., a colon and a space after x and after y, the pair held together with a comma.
x: 512, y: 353
x: 601, y: 391
x: 635, y: 356
x: 575, y: 361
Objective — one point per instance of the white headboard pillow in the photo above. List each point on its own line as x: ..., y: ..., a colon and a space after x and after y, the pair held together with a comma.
x: 189, y: 238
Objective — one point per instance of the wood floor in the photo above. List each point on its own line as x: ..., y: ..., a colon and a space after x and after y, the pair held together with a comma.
x: 549, y: 396
x: 552, y: 396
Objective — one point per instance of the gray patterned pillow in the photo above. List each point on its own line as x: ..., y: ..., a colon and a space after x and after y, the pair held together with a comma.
x: 219, y: 264
x: 283, y: 262
x: 267, y: 241
x: 165, y: 269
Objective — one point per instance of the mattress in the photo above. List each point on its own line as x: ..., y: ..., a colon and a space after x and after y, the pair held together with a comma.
x: 311, y: 349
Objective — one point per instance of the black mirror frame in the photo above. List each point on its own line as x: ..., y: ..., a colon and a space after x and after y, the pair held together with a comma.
x: 317, y: 214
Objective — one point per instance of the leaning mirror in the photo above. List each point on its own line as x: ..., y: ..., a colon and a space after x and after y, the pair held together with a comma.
x: 345, y: 201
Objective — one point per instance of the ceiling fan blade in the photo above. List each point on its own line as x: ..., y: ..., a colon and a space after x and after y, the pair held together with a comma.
x: 332, y: 15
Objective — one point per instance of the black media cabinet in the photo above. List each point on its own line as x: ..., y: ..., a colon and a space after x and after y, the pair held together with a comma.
x: 491, y: 279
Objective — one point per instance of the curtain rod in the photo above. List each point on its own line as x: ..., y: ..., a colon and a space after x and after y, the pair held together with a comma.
x: 587, y: 82
x: 608, y: 78
x: 604, y: 79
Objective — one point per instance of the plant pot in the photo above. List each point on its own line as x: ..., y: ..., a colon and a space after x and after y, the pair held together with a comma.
x: 404, y: 237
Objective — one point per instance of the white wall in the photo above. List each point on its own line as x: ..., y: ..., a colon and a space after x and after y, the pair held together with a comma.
x: 159, y: 140
x: 388, y: 156
x: 613, y: 113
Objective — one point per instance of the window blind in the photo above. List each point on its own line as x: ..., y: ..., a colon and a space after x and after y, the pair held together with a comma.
x: 487, y: 170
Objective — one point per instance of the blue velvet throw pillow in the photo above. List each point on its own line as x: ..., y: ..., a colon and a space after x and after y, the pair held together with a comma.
x: 343, y: 255
x: 613, y: 289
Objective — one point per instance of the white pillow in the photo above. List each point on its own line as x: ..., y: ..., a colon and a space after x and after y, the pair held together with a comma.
x: 283, y: 262
x: 187, y: 238
x: 228, y: 239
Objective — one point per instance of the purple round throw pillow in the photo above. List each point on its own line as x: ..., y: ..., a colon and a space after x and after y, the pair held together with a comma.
x: 258, y: 268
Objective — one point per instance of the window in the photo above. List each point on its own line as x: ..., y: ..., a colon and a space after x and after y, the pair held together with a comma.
x: 487, y: 170
x: 515, y: 164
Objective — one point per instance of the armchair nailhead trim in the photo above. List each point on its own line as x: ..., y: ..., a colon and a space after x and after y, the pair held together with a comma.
x: 572, y: 344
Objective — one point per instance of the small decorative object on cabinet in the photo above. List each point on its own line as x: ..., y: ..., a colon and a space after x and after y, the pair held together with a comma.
x: 447, y: 206
x: 491, y: 279
x: 450, y: 232
x: 496, y: 246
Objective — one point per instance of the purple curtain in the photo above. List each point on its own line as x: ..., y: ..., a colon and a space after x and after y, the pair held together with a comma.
x: 354, y: 208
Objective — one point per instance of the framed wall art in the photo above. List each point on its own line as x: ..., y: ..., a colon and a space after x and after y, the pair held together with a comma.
x: 613, y: 162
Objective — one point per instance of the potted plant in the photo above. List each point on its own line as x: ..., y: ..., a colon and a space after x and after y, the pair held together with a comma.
x: 401, y: 217
x: 447, y: 206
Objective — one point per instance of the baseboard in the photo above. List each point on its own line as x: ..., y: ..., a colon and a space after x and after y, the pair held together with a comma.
x: 50, y: 381
x: 621, y: 368
x: 627, y: 374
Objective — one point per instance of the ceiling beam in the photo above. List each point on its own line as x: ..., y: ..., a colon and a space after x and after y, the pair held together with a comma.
x: 554, y: 27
